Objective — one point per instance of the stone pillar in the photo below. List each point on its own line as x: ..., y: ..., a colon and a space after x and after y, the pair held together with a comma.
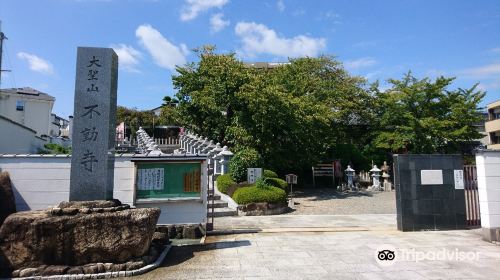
x: 93, y: 157
x: 488, y: 182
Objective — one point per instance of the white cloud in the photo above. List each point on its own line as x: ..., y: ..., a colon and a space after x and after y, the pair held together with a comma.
x: 483, y: 72
x: 360, y: 63
x: 36, y: 63
x: 280, y: 5
x: 192, y: 8
x: 495, y: 50
x: 128, y: 57
x: 259, y: 39
x: 164, y: 53
x: 217, y: 23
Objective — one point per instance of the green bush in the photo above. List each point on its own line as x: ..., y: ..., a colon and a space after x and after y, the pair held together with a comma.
x: 269, y: 174
x: 242, y: 160
x: 52, y: 148
x: 255, y: 194
x: 224, y: 182
x: 277, y: 182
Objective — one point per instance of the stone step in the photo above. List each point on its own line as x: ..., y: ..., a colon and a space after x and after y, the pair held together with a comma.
x: 217, y: 204
x: 222, y: 212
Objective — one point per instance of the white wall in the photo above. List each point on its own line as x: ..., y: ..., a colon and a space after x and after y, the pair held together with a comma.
x: 16, y: 139
x: 43, y: 181
x: 488, y: 180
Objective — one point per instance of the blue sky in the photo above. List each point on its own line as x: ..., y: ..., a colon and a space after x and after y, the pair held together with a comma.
x: 374, y: 39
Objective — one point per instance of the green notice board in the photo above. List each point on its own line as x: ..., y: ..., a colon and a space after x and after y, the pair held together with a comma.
x: 168, y: 179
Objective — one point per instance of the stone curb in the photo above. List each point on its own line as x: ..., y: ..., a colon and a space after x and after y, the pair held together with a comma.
x: 104, y: 275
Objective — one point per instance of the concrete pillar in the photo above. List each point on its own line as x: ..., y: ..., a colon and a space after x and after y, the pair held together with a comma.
x: 488, y: 181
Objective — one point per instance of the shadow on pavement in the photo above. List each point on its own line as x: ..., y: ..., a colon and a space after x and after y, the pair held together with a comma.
x: 180, y: 254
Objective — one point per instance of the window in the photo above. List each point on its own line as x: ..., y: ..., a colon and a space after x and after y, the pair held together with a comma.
x: 20, y: 105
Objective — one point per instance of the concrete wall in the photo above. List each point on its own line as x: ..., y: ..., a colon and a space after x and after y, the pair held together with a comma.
x: 43, y: 181
x: 488, y: 180
x: 36, y: 114
x: 18, y: 139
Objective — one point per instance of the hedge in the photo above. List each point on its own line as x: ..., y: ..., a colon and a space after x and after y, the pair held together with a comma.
x: 255, y: 194
x: 269, y: 174
x: 224, y: 182
x: 246, y: 158
x: 277, y: 182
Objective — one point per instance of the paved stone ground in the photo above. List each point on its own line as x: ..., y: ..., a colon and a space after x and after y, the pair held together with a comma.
x: 328, y: 255
x: 320, y: 201
x: 307, y: 222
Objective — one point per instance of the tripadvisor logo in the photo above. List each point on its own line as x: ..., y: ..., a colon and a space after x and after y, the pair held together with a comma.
x: 387, y: 255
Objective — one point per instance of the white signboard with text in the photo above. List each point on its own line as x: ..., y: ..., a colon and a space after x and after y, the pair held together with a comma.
x: 150, y: 179
x: 253, y: 174
x: 458, y: 175
x: 431, y: 177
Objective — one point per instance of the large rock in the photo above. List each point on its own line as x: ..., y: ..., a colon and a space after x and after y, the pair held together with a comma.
x: 7, y: 200
x: 51, y: 237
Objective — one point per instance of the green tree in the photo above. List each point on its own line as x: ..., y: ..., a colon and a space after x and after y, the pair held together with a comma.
x: 291, y: 115
x: 169, y: 115
x: 134, y: 118
x: 207, y: 90
x: 425, y: 116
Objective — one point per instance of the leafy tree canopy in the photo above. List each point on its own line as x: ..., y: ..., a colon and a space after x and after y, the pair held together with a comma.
x: 290, y: 114
x: 425, y: 116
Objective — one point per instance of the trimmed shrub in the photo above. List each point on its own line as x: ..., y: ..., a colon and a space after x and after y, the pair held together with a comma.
x: 246, y: 158
x: 269, y: 174
x: 260, y: 192
x: 277, y: 182
x: 224, y: 182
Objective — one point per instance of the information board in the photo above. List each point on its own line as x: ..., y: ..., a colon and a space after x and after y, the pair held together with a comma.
x: 168, y: 179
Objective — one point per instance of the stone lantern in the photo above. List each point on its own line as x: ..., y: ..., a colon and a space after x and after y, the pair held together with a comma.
x: 208, y: 147
x: 213, y: 159
x: 349, y: 172
x: 224, y: 157
x: 190, y: 143
x: 376, y: 178
x: 201, y: 146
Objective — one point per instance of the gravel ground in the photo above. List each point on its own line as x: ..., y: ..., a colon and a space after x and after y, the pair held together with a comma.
x: 326, y: 201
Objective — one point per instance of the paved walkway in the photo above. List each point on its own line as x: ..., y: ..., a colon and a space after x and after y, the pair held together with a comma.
x: 332, y: 255
x: 307, y: 223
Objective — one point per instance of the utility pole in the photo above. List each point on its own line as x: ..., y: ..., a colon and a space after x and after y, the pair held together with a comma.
x: 2, y: 37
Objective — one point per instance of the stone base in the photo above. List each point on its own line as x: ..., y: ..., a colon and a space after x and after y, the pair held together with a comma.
x: 187, y: 231
x: 77, y: 233
x: 262, y: 209
x: 491, y: 234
